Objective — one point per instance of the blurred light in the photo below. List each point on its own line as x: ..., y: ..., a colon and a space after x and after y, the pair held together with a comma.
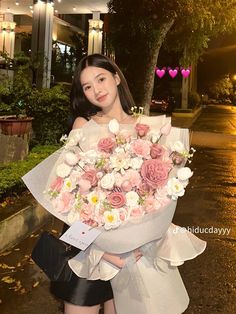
x: 234, y: 77
x: 17, y: 3
x: 74, y: 8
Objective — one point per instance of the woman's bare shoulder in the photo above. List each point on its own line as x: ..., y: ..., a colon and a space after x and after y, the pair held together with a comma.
x: 79, y: 122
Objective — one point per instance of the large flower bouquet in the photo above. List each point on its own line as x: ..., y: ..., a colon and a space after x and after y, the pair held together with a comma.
x: 125, y: 176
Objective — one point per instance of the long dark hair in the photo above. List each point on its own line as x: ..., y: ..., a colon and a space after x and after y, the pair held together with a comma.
x: 80, y: 106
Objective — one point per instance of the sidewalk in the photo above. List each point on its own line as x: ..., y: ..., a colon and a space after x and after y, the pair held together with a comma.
x: 209, y: 202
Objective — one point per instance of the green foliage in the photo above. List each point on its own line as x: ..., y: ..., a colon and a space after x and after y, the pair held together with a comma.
x: 11, y: 173
x: 221, y: 87
x: 50, y: 109
x: 193, y: 100
x: 197, y: 23
x: 184, y: 26
x: 4, y: 109
x: 14, y: 92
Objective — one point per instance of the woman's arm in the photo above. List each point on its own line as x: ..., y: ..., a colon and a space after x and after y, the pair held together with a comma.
x: 79, y: 122
x: 117, y: 260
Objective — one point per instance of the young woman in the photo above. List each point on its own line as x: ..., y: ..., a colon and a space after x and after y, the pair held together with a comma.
x: 99, y: 92
x: 150, y: 282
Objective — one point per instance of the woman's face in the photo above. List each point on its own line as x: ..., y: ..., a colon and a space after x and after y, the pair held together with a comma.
x: 100, y: 86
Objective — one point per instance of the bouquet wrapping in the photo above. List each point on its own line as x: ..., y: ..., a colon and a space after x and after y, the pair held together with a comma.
x: 124, y: 180
x: 59, y: 183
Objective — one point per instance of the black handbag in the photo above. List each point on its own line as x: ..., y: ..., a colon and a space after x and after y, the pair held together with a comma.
x: 52, y: 255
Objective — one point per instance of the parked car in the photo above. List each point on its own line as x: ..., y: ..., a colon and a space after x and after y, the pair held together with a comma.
x: 158, y: 105
x: 212, y: 101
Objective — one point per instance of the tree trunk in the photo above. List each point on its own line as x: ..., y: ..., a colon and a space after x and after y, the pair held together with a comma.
x: 184, y: 93
x: 149, y: 74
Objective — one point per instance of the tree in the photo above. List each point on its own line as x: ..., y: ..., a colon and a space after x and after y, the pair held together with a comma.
x: 139, y: 30
x: 221, y: 88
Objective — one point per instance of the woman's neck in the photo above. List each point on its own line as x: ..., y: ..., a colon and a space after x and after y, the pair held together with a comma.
x: 119, y: 115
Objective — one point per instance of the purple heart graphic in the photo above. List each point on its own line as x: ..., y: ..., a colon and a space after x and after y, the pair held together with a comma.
x: 160, y: 73
x: 185, y: 73
x: 173, y: 73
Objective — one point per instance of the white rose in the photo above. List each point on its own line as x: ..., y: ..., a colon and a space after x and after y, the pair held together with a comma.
x: 63, y: 170
x: 74, y: 138
x: 136, y: 163
x: 114, y: 126
x: 107, y: 182
x: 177, y: 147
x: 127, y: 147
x: 132, y: 198
x: 73, y: 216
x: 184, y: 173
x: 71, y: 158
x: 71, y: 142
x: 175, y: 188
x: 119, y: 150
x: 91, y: 156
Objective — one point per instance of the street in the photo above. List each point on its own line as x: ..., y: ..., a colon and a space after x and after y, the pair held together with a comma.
x: 210, y: 203
x: 208, y: 210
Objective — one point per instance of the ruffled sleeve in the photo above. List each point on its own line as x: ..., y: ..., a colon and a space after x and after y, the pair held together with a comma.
x: 90, y: 264
x: 177, y: 246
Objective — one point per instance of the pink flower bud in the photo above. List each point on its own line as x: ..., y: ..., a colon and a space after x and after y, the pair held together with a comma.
x: 126, y: 186
x: 165, y: 129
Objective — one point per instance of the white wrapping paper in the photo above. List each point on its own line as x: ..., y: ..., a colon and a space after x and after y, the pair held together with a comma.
x: 153, y: 285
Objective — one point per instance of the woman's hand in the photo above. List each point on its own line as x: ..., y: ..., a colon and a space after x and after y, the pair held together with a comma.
x: 117, y: 260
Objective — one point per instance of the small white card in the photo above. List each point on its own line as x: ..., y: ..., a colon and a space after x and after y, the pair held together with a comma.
x: 80, y: 235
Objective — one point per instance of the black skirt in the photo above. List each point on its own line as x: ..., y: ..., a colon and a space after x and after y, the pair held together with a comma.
x: 80, y: 291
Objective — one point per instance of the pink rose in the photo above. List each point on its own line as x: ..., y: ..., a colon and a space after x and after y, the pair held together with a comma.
x: 143, y: 188
x: 142, y: 129
x: 64, y: 203
x: 177, y: 159
x: 157, y: 151
x: 155, y: 172
x: 136, y: 212
x: 91, y: 176
x: 86, y: 212
x: 141, y: 148
x: 151, y: 204
x: 133, y: 177
x: 116, y: 199
x: 84, y: 185
x: 57, y: 184
x: 106, y: 144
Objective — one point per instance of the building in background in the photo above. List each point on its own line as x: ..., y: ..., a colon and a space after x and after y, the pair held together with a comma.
x: 55, y: 33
